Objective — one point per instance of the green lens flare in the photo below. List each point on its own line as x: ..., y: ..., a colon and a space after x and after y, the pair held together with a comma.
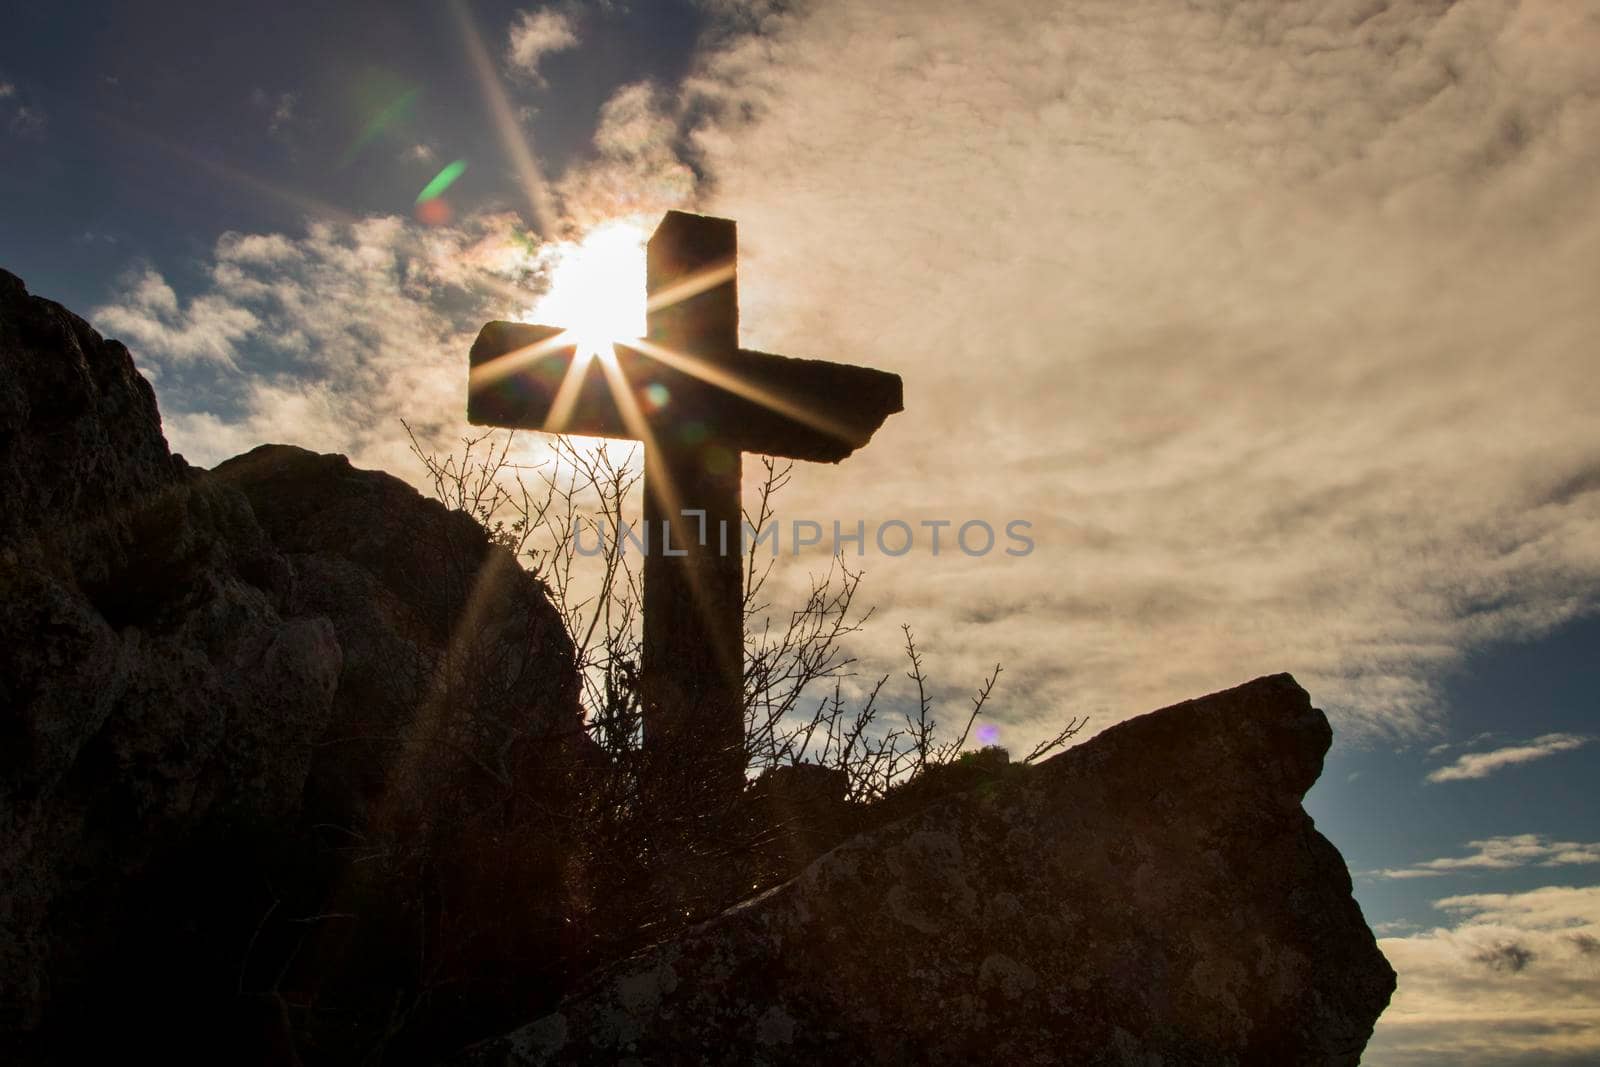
x: 443, y: 180
x: 398, y: 109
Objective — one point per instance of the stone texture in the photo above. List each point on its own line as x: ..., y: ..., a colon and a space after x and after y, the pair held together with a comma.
x: 79, y: 432
x: 1153, y: 896
x: 438, y: 625
x: 210, y: 686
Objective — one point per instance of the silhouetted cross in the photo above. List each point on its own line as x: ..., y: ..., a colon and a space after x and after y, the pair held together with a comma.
x: 697, y: 401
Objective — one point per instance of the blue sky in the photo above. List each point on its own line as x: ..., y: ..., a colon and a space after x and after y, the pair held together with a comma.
x: 1276, y: 321
x: 148, y: 112
x: 1376, y: 803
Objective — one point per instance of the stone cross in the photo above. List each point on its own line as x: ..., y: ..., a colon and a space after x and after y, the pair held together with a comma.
x: 697, y: 401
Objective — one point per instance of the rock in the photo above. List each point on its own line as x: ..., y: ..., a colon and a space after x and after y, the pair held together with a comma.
x: 1155, y: 895
x: 438, y: 624
x: 80, y: 436
x: 148, y: 685
x: 212, y: 687
x: 292, y: 769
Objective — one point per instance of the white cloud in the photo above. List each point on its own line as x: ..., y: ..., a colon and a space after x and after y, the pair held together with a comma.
x: 1275, y: 324
x: 1443, y: 747
x: 1273, y: 320
x: 1504, y: 854
x: 536, y: 34
x: 336, y: 335
x: 7, y: 90
x: 1483, y: 764
x: 148, y: 316
x: 635, y: 170
x: 1512, y: 980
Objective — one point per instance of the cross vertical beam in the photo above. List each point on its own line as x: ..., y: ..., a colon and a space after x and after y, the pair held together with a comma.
x: 693, y: 660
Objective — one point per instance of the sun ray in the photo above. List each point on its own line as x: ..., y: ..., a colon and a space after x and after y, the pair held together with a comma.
x: 694, y: 284
x: 570, y: 389
x: 709, y: 372
x: 513, y: 135
x: 657, y: 477
x: 487, y: 374
x: 310, y: 205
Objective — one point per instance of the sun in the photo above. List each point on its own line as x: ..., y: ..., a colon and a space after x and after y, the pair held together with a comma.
x: 597, y: 287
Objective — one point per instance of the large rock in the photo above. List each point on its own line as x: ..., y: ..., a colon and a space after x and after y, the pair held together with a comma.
x: 1156, y: 895
x: 80, y: 436
x: 292, y: 769
x: 447, y: 640
x: 251, y: 723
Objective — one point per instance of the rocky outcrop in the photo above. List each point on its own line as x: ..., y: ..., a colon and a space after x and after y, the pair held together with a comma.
x: 292, y: 769
x: 438, y: 626
x: 232, y: 702
x: 1156, y: 895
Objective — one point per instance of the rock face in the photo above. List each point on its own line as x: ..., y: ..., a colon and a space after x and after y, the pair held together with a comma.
x: 1156, y: 895
x: 233, y: 701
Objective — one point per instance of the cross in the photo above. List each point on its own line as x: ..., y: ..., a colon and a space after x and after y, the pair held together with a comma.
x: 698, y: 402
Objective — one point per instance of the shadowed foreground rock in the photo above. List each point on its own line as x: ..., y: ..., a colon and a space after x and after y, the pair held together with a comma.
x: 292, y: 771
x: 1155, y: 895
x: 258, y: 727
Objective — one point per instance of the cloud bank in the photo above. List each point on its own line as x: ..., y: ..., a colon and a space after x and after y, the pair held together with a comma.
x: 1270, y: 316
x: 1275, y: 319
x: 1510, y: 981
x: 328, y: 338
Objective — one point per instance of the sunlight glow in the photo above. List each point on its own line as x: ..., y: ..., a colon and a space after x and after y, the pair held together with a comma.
x: 712, y: 374
x: 597, y: 287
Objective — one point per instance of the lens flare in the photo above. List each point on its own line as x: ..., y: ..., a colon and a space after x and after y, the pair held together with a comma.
x: 435, y: 212
x: 398, y: 109
x: 443, y: 180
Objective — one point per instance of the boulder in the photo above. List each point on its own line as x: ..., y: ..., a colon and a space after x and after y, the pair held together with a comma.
x: 1155, y: 895
x: 253, y: 723
x: 80, y: 436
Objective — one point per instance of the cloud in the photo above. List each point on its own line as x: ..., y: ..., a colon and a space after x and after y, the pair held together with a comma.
x: 329, y: 337
x: 17, y: 113
x: 278, y: 107
x: 1446, y: 746
x: 1483, y: 764
x: 1506, y: 956
x: 536, y: 34
x: 1509, y: 981
x: 636, y: 169
x: 1274, y: 323
x: 149, y: 316
x: 1504, y: 854
x: 1271, y: 320
x: 1586, y: 944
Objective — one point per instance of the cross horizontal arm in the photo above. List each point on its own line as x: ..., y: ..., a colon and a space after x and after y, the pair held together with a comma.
x: 532, y: 377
